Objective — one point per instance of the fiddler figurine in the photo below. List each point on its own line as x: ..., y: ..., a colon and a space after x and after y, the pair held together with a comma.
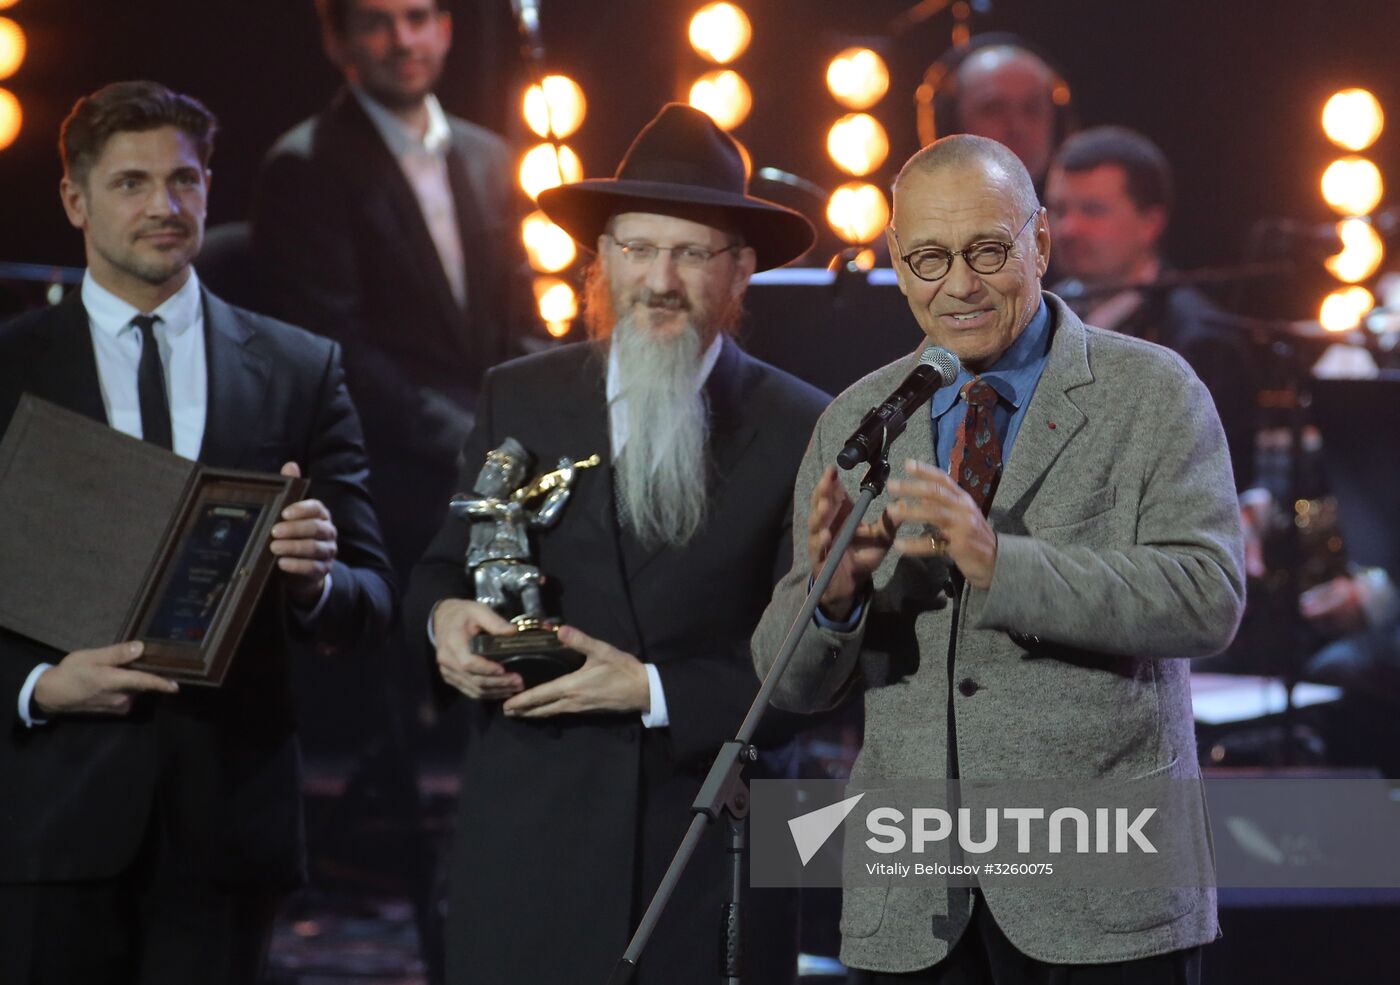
x: 502, y: 509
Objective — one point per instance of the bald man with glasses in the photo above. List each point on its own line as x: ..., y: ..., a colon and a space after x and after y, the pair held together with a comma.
x: 1022, y: 602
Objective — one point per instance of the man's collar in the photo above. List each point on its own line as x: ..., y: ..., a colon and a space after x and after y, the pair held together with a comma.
x: 1014, y: 375
x: 400, y: 138
x: 110, y: 314
x: 1118, y: 309
x: 707, y: 365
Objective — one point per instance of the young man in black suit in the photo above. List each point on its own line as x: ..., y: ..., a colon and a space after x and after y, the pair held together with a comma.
x: 148, y: 831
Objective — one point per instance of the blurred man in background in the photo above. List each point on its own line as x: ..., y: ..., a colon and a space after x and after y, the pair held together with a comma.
x: 370, y: 225
x: 1109, y: 193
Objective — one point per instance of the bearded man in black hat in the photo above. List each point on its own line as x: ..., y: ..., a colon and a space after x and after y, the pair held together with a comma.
x: 576, y: 792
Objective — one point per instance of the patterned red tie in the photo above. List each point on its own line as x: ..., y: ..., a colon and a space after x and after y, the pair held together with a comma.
x: 976, y: 459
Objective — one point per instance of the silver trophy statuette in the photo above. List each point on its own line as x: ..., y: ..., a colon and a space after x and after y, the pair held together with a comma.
x: 502, y: 509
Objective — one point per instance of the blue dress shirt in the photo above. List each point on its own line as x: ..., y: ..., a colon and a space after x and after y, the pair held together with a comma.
x: 1014, y: 377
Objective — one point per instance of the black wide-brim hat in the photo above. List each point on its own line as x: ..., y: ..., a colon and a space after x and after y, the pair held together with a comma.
x: 682, y: 164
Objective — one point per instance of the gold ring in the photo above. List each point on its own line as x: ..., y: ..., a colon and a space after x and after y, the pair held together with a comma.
x: 937, y: 544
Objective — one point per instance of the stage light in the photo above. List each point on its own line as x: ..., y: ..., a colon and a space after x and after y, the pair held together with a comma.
x: 858, y: 78
x: 1343, y: 309
x: 1361, y: 254
x: 720, y: 32
x: 543, y: 168
x: 12, y: 47
x: 556, y: 109
x: 857, y: 143
x: 7, y: 3
x: 858, y: 212
x: 558, y: 304
x: 11, y: 118
x: 1353, y: 119
x: 548, y: 247
x: 724, y: 96
x: 1352, y: 186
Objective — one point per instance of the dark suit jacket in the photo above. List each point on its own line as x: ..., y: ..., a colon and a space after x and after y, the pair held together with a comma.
x: 223, y: 763
x: 566, y: 824
x: 344, y: 250
x: 1184, y: 320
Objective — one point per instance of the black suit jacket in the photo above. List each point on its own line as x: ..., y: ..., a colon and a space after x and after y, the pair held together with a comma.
x: 344, y: 250
x: 1185, y: 321
x: 223, y: 763
x: 566, y: 824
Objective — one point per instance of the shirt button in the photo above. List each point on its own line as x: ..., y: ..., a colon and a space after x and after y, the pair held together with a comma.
x: 968, y: 687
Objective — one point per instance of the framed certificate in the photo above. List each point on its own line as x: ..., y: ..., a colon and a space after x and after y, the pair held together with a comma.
x: 209, y: 575
x: 110, y: 539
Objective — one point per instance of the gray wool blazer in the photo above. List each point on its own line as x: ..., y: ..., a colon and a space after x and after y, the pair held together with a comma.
x: 1119, y: 556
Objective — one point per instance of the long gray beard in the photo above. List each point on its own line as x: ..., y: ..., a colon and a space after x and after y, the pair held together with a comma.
x: 661, y: 472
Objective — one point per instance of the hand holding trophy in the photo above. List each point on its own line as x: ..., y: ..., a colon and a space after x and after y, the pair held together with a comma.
x: 502, y: 509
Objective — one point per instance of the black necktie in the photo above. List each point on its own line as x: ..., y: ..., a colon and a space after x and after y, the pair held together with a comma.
x: 150, y: 385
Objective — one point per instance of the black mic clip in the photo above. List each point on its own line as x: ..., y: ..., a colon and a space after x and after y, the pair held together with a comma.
x: 871, y: 440
x: 875, y: 433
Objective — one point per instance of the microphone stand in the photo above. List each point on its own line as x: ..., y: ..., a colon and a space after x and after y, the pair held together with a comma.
x: 724, y: 790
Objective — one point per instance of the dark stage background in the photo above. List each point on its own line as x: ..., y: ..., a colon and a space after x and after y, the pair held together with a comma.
x: 1232, y: 89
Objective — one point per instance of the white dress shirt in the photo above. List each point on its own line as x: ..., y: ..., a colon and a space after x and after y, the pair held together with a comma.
x: 179, y: 336
x: 423, y: 159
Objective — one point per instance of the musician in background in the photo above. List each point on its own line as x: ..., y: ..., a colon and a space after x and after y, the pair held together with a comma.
x: 997, y: 86
x: 1109, y: 192
x: 1364, y: 607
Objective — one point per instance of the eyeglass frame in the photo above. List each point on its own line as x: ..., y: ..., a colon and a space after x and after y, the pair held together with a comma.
x: 629, y: 249
x: 1005, y: 253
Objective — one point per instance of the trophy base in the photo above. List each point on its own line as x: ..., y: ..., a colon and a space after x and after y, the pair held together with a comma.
x: 535, y: 654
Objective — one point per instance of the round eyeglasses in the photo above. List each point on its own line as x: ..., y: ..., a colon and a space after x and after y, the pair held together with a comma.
x: 642, y: 253
x: 934, y: 262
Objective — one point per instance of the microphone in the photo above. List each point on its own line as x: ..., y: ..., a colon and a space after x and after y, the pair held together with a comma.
x: 937, y: 368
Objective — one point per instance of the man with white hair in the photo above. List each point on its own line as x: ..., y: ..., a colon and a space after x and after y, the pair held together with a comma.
x: 576, y: 792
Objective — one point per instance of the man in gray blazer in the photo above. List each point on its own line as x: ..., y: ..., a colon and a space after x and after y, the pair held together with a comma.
x: 1030, y: 617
